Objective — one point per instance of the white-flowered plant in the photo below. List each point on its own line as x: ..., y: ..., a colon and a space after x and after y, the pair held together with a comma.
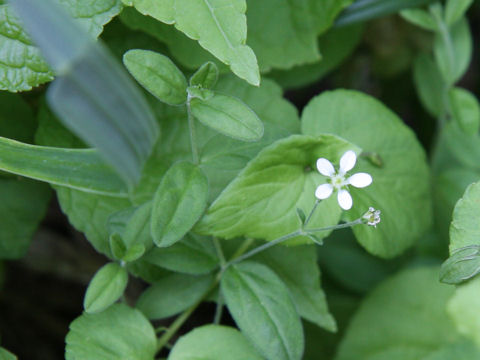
x: 338, y: 180
x: 371, y: 217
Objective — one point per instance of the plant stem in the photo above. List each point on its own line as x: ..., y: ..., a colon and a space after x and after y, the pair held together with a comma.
x: 311, y: 213
x: 193, y: 134
x: 220, y: 254
x: 338, y: 226
x: 218, y: 309
x: 264, y: 247
x: 242, y: 248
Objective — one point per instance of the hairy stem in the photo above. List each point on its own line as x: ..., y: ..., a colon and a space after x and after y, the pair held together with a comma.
x: 193, y: 134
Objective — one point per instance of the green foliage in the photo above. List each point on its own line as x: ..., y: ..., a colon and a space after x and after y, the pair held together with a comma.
x: 6, y: 355
x: 466, y: 110
x: 206, y: 76
x: 276, y: 182
x: 429, y: 84
x: 213, y: 342
x: 105, y: 288
x: 369, y: 124
x: 173, y: 294
x: 303, y: 283
x: 158, y: 74
x: 415, y: 303
x: 229, y: 116
x: 112, y: 334
x: 179, y: 202
x: 262, y: 308
x: 454, y: 10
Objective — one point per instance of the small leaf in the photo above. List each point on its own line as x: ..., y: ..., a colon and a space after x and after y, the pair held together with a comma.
x: 179, y: 202
x: 453, y: 59
x: 158, y: 74
x: 206, y: 77
x: 117, y: 247
x: 213, y: 342
x: 173, y: 294
x: 137, y: 229
x: 134, y: 252
x: 466, y: 110
x: 229, y: 116
x: 301, y: 215
x: 455, y: 9
x: 119, y: 332
x: 263, y: 310
x: 429, y: 84
x: 464, y: 228
x: 463, y: 264
x: 106, y: 287
x: 162, y: 10
x: 191, y: 255
x: 420, y: 18
x: 198, y: 92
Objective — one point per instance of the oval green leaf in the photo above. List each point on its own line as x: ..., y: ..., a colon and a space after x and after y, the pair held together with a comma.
x: 466, y: 110
x: 263, y: 309
x: 179, y: 202
x: 400, y: 188
x: 106, y: 287
x: 158, y: 74
x: 213, y: 342
x: 173, y: 294
x: 119, y: 332
x: 206, y: 76
x: 228, y: 116
x: 261, y: 201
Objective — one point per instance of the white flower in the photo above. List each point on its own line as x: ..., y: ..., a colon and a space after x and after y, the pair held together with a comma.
x: 337, y: 179
x: 371, y: 217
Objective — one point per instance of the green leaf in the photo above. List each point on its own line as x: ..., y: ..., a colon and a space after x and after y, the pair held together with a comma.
x: 6, y: 355
x: 364, y: 10
x: 173, y: 294
x: 420, y: 18
x: 462, y: 265
x: 198, y: 92
x: 23, y: 67
x: 89, y: 213
x: 466, y: 110
x: 187, y: 51
x: 191, y: 255
x: 23, y: 206
x: 406, y: 320
x: 464, y: 229
x: 206, y: 77
x: 463, y: 308
x: 106, y: 287
x: 91, y: 81
x: 222, y: 158
x: 229, y: 116
x: 158, y: 74
x: 263, y: 310
x: 213, y: 342
x: 455, y: 9
x: 162, y: 10
x: 336, y: 45
x: 81, y: 169
x: 453, y: 58
x: 220, y: 27
x: 179, y: 202
x: 24, y: 125
x: 298, y: 269
x: 117, y: 247
x: 400, y: 188
x: 134, y: 253
x: 137, y: 228
x: 429, y: 84
x: 261, y: 202
x: 116, y: 333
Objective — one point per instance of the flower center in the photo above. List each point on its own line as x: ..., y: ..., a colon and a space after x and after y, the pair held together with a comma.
x: 337, y: 181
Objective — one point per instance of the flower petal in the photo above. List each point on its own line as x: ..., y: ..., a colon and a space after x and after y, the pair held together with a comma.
x: 324, y: 191
x: 347, y: 162
x: 360, y: 180
x: 325, y: 167
x: 344, y: 200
